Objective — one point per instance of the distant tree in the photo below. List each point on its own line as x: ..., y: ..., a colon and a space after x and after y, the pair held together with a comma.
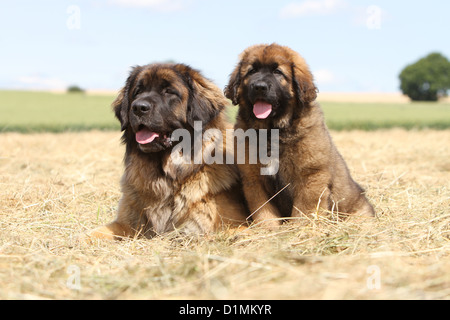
x: 75, y: 89
x: 428, y: 79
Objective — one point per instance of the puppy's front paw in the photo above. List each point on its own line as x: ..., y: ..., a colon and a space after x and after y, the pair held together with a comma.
x: 113, y: 231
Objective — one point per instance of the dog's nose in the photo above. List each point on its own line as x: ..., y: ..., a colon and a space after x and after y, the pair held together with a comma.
x: 141, y: 107
x: 260, y: 87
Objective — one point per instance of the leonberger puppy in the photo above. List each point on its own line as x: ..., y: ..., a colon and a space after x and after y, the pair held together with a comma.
x: 160, y: 193
x: 274, y: 89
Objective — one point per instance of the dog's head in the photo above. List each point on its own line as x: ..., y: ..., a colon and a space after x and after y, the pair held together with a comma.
x: 270, y: 82
x: 160, y: 98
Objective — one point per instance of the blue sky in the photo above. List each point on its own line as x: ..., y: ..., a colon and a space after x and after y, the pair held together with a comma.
x: 351, y: 46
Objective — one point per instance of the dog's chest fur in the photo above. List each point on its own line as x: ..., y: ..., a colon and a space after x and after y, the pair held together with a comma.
x: 280, y: 187
x: 169, y: 196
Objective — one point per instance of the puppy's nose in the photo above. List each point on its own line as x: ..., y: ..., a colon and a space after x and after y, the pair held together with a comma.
x: 260, y: 87
x: 141, y: 107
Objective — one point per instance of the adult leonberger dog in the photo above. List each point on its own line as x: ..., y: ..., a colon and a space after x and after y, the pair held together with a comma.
x: 161, y: 194
x: 274, y: 89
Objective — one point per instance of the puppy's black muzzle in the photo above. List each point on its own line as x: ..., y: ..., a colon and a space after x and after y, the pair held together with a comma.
x: 141, y: 107
x: 262, y: 90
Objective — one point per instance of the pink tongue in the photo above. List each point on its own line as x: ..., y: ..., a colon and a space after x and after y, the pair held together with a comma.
x: 262, y: 110
x: 146, y: 136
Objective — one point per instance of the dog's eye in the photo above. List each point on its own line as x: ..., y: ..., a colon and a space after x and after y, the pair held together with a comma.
x: 170, y: 91
x: 278, y: 71
x: 251, y: 71
x: 137, y: 90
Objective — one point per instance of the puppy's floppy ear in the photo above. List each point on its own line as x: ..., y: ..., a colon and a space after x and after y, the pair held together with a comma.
x: 231, y: 90
x: 121, y: 103
x: 303, y: 85
x: 206, y: 100
x: 120, y: 107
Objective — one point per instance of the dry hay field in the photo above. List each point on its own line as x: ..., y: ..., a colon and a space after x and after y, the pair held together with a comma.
x: 57, y: 186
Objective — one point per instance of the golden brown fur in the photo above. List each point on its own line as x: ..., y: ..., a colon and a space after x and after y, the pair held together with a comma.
x: 314, y: 172
x: 160, y: 195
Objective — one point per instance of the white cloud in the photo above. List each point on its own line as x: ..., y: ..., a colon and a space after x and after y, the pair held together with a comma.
x: 157, y: 5
x: 324, y: 76
x: 41, y: 83
x: 311, y: 7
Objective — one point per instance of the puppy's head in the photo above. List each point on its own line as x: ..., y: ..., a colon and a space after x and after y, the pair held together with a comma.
x: 270, y: 82
x: 160, y: 98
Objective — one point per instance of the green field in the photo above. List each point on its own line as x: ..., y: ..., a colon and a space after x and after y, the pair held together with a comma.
x: 25, y: 111
x: 372, y: 116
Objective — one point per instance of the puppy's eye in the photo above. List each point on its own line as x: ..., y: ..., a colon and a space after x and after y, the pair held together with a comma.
x: 170, y: 91
x: 251, y: 71
x: 138, y: 90
x: 278, y: 71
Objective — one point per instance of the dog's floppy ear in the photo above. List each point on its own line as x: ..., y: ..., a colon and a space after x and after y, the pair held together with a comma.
x: 303, y: 85
x: 231, y: 90
x: 121, y: 103
x: 206, y: 100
